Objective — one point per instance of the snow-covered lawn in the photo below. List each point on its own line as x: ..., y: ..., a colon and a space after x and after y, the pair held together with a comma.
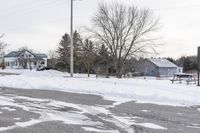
x: 147, y: 90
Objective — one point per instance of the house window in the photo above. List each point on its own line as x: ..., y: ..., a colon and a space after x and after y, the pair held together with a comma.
x: 13, y: 63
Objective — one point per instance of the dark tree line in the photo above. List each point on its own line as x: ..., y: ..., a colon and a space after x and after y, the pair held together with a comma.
x: 87, y: 57
x: 187, y: 62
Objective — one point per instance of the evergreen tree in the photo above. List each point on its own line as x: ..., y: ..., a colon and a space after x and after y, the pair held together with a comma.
x: 77, y: 41
x: 103, y: 60
x: 64, y: 52
x: 187, y: 62
x: 88, y: 55
x: 103, y: 55
x: 171, y: 60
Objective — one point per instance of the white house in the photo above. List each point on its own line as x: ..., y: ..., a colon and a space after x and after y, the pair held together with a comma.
x: 24, y: 60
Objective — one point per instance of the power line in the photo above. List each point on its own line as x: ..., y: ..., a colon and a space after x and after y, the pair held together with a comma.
x: 18, y: 4
x: 47, y: 22
x: 53, y: 21
x: 175, y: 8
x: 41, y: 23
x: 15, y: 14
x: 27, y: 5
x: 24, y: 10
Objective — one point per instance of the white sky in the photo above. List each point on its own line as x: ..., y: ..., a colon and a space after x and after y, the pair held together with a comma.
x: 39, y: 24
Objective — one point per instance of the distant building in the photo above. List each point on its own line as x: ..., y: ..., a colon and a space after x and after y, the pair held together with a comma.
x: 158, y: 67
x: 24, y: 60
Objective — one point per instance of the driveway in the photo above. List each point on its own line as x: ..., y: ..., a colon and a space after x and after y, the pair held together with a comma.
x: 42, y: 111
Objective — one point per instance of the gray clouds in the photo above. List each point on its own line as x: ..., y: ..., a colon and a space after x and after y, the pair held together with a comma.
x: 39, y: 24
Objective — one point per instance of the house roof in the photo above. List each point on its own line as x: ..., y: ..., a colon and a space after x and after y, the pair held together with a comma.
x: 13, y: 54
x: 40, y: 55
x: 162, y: 62
x: 17, y: 53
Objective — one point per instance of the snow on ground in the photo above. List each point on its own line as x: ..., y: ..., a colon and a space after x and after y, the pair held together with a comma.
x: 98, y: 130
x: 8, y: 109
x: 120, y: 90
x: 131, y: 121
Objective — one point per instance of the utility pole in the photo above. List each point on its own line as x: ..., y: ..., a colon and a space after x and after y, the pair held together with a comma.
x: 198, y: 84
x: 71, y: 45
x: 198, y: 65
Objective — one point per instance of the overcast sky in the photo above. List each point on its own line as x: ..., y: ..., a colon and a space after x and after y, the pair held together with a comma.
x: 40, y: 24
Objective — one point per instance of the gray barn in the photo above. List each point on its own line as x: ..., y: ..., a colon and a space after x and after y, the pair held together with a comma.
x: 157, y: 67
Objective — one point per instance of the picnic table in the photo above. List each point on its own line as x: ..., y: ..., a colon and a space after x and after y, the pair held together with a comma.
x: 184, y: 77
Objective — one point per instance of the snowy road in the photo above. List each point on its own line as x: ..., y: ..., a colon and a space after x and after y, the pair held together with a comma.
x: 37, y: 111
x: 42, y: 111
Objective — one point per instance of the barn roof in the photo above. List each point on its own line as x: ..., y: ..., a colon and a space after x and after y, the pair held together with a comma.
x: 162, y: 62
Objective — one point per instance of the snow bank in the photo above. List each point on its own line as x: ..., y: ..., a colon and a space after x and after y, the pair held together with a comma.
x: 120, y: 90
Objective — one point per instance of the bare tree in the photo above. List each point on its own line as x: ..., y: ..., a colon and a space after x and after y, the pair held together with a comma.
x: 25, y: 60
x: 126, y: 31
x: 53, y: 58
x: 2, y: 48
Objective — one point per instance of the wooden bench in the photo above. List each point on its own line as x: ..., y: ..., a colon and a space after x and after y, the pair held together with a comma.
x: 8, y: 73
x: 173, y: 80
x: 104, y: 75
x: 183, y: 77
x: 191, y: 80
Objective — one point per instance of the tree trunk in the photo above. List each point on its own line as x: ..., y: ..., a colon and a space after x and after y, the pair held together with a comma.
x: 119, y: 68
x: 88, y: 72
x: 119, y: 71
x: 107, y: 72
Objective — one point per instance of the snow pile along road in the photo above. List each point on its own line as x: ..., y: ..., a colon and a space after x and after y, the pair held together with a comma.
x: 120, y: 90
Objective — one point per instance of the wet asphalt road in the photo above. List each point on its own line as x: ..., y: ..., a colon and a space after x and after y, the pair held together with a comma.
x: 174, y: 119
x: 18, y: 107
